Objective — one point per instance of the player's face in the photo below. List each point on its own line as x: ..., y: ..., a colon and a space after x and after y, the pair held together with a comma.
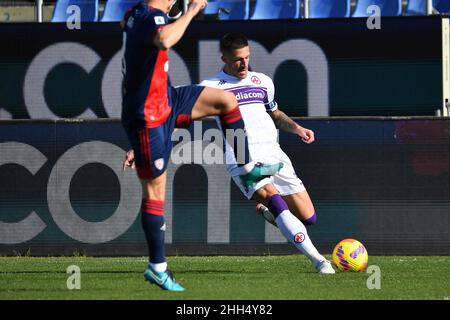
x: 236, y: 62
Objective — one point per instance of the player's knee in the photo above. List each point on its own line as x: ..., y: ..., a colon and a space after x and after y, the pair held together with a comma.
x: 311, y: 220
x: 154, y: 188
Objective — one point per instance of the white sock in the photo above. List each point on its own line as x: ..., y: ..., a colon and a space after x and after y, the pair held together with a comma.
x: 295, y: 232
x: 158, y: 267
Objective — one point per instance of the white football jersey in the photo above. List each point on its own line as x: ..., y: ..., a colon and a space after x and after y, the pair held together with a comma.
x: 255, y: 96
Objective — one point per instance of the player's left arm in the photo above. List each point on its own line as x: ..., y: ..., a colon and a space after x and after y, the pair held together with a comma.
x: 285, y: 123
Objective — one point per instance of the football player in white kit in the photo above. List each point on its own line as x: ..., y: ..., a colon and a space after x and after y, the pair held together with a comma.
x: 282, y: 199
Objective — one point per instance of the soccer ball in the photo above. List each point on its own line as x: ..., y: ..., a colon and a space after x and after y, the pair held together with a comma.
x: 350, y: 255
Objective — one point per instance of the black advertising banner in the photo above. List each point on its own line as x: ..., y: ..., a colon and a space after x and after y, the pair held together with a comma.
x: 385, y: 182
x: 321, y: 67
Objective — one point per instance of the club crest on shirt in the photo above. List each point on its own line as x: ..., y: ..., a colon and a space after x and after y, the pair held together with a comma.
x: 255, y: 80
x: 159, y: 20
x: 159, y: 163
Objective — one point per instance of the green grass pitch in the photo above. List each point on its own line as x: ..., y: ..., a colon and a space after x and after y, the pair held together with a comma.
x: 224, y: 278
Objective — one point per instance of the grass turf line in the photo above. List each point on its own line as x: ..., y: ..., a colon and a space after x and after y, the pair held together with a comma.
x: 224, y: 278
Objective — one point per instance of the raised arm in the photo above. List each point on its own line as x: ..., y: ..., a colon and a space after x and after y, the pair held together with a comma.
x: 168, y: 36
x: 285, y: 123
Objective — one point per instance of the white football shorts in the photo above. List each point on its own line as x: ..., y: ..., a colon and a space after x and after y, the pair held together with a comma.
x: 285, y: 181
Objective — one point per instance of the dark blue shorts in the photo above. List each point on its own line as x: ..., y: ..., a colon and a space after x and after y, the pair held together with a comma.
x: 152, y: 146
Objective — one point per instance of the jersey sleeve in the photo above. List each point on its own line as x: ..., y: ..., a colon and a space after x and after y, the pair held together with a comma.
x: 270, y: 103
x: 153, y: 22
x: 208, y: 83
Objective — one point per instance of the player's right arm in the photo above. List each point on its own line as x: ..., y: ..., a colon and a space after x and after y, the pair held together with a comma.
x: 282, y: 120
x: 168, y: 36
x: 285, y: 123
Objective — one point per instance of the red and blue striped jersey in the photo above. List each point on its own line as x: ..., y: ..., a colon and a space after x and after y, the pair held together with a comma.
x: 145, y: 69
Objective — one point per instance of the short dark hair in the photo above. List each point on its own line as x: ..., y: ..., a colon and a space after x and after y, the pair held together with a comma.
x: 233, y: 41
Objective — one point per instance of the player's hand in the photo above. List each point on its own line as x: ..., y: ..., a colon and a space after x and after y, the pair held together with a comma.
x: 306, y: 135
x: 129, y: 160
x: 196, y: 5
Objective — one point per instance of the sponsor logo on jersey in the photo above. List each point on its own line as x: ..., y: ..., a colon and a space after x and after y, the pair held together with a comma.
x: 159, y: 163
x: 159, y: 20
x: 250, y: 95
x: 222, y: 82
x: 246, y: 95
x: 299, y: 237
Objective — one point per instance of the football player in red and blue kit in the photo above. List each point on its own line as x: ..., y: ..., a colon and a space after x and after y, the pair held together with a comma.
x: 152, y: 109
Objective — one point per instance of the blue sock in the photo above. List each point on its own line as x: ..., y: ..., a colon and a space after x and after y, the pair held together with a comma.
x: 152, y: 218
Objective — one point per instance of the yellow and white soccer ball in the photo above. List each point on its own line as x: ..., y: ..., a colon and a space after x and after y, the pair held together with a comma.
x: 350, y: 255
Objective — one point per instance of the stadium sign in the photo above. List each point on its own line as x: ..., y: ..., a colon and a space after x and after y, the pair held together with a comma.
x: 58, y: 189
x: 62, y: 189
x: 309, y: 54
x: 192, y: 149
x: 320, y: 66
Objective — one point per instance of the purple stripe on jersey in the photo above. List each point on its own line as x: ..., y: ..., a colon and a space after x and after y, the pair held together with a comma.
x: 246, y: 87
x: 249, y: 102
x: 245, y: 95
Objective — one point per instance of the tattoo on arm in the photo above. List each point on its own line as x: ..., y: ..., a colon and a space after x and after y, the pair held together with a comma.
x: 283, y: 122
